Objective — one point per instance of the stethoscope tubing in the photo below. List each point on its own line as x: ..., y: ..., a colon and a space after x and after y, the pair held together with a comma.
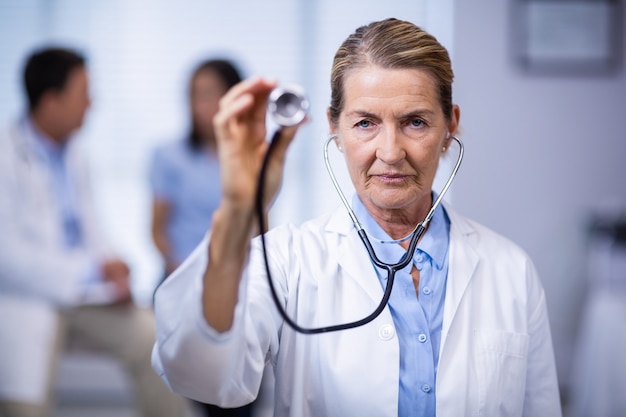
x: 391, y: 269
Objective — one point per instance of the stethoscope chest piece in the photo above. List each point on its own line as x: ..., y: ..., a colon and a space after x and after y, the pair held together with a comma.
x: 288, y: 105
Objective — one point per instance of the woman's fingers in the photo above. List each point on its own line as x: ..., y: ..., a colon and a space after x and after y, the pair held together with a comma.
x: 240, y: 121
x: 251, y: 85
x: 247, y: 100
x: 242, y: 143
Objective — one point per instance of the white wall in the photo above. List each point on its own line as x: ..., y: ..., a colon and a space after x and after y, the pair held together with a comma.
x: 140, y: 53
x: 542, y: 153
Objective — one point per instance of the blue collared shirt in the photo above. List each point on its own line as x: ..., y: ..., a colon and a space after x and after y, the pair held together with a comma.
x: 418, y: 319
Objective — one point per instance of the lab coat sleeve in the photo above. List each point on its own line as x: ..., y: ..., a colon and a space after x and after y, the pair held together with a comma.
x: 31, y: 266
x: 193, y: 359
x: 542, y: 393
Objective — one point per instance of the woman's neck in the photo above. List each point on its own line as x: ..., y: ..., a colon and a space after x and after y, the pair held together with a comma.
x: 399, y: 223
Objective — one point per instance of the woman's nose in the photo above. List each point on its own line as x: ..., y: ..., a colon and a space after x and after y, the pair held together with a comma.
x: 389, y: 148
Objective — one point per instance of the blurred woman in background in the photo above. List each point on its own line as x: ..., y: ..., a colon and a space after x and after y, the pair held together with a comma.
x: 180, y: 171
x: 185, y: 179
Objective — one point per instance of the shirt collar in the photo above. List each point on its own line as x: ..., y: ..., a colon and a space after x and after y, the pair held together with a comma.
x: 44, y: 146
x: 434, y: 242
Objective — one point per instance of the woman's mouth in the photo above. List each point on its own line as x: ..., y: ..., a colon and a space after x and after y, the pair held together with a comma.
x: 391, y: 179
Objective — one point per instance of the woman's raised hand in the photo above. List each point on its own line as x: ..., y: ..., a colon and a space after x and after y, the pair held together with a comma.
x: 242, y: 143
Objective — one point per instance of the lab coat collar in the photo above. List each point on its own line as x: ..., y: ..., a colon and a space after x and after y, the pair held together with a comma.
x: 352, y: 256
x: 43, y: 145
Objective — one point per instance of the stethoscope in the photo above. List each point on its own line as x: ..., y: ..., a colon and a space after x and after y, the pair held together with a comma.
x: 288, y: 106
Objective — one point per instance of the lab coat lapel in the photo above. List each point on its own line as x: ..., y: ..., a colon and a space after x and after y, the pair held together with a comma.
x: 352, y: 256
x: 463, y: 261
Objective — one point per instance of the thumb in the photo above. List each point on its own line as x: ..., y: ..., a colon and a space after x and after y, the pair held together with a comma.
x: 283, y: 139
x: 270, y: 177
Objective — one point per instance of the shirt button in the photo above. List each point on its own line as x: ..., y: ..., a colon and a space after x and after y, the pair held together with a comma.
x: 386, y: 332
x: 426, y: 388
x: 426, y: 290
x: 422, y: 337
x: 419, y: 257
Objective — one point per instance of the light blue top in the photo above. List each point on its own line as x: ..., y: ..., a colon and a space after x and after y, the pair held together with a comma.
x: 418, y: 320
x: 189, y: 181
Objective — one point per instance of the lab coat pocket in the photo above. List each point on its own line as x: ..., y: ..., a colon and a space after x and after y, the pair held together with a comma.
x: 501, y: 359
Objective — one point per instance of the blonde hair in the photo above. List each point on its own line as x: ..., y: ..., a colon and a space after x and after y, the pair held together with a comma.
x: 391, y: 43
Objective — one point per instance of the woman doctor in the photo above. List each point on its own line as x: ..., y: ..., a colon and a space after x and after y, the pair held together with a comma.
x: 465, y: 332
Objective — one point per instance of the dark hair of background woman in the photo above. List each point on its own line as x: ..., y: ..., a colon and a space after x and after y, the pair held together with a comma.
x: 229, y: 74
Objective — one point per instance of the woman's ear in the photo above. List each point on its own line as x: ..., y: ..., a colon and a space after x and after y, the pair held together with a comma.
x: 338, y: 143
x: 453, y: 126
x: 332, y: 128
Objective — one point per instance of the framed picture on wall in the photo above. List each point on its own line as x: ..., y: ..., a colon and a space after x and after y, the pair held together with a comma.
x: 568, y: 36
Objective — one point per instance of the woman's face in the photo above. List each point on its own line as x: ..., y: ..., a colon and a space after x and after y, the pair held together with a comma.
x: 392, y: 131
x: 206, y: 90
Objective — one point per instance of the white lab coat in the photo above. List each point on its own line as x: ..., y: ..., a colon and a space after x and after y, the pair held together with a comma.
x: 496, y: 356
x: 37, y: 275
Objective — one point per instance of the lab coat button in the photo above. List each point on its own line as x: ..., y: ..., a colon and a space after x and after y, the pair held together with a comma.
x: 386, y: 332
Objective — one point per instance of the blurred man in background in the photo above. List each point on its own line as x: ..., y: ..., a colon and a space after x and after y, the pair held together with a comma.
x: 58, y: 278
